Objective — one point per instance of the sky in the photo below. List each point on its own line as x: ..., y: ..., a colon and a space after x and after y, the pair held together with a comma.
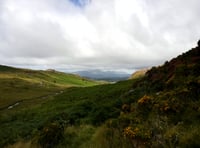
x: 119, y: 35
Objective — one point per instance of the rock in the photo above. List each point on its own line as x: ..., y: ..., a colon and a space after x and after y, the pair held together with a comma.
x: 10, y: 107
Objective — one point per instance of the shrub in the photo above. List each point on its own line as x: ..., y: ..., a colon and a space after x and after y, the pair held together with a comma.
x: 144, y: 100
x: 138, y: 136
x: 126, y: 108
x: 144, y: 105
x: 137, y: 133
x: 51, y: 135
x: 191, y: 138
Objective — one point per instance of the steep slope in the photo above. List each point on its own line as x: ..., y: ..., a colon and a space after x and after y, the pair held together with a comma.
x: 183, y: 70
x: 164, y: 110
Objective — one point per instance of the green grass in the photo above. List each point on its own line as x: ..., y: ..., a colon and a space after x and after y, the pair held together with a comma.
x: 46, y: 77
x: 13, y: 90
x: 94, y: 117
x: 22, y: 84
x: 75, y: 106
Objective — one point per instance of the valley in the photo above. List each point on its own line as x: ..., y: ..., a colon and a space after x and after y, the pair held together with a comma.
x: 99, y: 74
x: 157, y: 109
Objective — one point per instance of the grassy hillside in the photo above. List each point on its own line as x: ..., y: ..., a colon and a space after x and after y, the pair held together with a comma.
x: 160, y: 109
x: 75, y: 108
x: 22, y: 84
x: 49, y: 77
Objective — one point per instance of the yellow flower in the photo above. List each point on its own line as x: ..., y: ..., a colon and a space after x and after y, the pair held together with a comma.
x: 144, y: 99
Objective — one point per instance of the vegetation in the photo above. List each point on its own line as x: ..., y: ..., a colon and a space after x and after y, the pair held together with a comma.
x: 22, y: 85
x: 160, y: 109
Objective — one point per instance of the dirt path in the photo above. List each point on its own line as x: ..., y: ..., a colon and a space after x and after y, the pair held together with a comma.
x: 11, y: 106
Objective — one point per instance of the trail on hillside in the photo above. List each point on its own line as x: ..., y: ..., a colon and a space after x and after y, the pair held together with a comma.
x: 17, y: 103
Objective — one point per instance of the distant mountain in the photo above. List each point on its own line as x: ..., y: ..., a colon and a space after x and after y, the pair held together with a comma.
x: 103, y: 75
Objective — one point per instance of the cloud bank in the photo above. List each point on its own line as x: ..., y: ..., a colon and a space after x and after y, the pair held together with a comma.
x: 86, y: 34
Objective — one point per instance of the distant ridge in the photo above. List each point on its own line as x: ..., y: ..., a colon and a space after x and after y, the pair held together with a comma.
x: 139, y: 73
x: 97, y: 74
x: 8, y: 68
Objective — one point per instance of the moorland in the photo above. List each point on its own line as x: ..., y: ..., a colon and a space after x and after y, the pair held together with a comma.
x: 159, y: 108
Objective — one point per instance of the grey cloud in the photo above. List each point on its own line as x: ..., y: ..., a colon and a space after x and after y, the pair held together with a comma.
x: 115, y: 34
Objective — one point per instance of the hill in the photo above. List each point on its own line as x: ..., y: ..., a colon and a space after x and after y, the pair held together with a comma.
x: 49, y: 77
x: 138, y: 74
x: 22, y: 84
x: 183, y: 69
x: 160, y: 109
x: 4, y: 68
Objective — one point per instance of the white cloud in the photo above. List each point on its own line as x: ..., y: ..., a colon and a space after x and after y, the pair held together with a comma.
x: 115, y: 34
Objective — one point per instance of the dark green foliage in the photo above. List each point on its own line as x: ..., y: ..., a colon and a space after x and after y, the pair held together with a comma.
x: 101, y: 113
x: 4, y: 68
x: 194, y: 90
x: 51, y: 135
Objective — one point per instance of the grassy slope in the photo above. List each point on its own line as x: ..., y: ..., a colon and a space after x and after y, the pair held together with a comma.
x: 159, y: 110
x: 21, y: 84
x: 47, y: 77
x: 75, y: 105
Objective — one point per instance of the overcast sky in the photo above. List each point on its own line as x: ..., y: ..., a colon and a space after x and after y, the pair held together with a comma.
x: 96, y: 34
